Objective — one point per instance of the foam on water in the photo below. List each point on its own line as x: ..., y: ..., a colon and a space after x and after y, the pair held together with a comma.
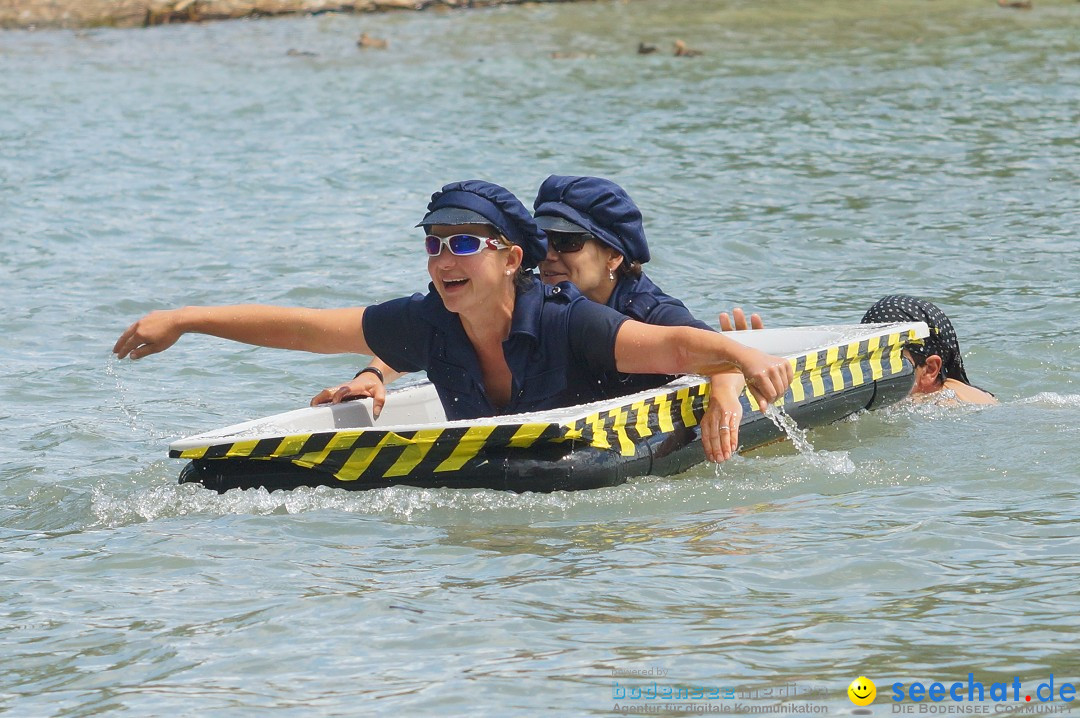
x: 832, y: 462
x: 138, y: 424
x: 117, y: 507
x: 941, y: 405
x: 1052, y: 400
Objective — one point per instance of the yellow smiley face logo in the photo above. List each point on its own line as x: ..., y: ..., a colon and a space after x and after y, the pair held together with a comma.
x: 862, y: 691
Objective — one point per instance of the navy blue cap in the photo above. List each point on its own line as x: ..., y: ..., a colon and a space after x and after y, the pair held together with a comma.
x: 597, y: 206
x: 476, y: 201
x: 550, y: 223
x: 452, y: 216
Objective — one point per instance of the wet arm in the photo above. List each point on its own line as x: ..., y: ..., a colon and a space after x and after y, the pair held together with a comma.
x: 389, y: 373
x: 323, y: 331
x: 646, y: 349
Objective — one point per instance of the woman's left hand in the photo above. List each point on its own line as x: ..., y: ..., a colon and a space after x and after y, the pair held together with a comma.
x: 720, y: 425
x: 739, y: 324
x: 364, y: 385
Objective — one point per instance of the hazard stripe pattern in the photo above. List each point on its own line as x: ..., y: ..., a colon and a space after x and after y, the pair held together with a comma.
x: 353, y: 454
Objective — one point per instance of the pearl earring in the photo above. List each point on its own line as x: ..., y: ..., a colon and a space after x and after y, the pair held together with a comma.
x: 611, y: 275
x: 509, y: 272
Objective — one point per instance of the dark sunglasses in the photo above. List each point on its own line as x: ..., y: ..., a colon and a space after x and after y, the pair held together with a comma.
x: 568, y: 242
x: 461, y: 245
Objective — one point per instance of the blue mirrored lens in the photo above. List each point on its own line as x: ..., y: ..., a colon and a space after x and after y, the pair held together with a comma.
x: 464, y: 244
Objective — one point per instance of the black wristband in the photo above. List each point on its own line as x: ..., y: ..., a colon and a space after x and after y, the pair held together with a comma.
x: 371, y: 370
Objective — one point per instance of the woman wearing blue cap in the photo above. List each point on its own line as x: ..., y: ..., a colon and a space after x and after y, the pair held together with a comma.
x: 596, y: 240
x: 491, y: 337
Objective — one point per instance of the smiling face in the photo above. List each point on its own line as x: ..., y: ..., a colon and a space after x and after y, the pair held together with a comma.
x: 862, y: 691
x: 589, y: 269
x: 467, y: 284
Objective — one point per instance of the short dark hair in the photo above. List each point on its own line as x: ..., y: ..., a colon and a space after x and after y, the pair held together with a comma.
x: 919, y: 358
x: 629, y: 269
x: 523, y: 279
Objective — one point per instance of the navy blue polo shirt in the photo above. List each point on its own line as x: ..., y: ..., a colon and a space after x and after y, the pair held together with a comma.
x: 640, y: 299
x: 560, y: 349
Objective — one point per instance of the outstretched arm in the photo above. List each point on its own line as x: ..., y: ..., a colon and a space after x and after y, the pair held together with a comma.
x: 324, y: 331
x: 647, y: 349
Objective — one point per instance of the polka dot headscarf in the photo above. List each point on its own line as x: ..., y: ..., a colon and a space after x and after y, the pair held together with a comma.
x: 942, y: 340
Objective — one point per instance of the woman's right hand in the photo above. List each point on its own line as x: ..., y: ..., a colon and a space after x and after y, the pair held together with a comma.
x: 720, y: 424
x: 367, y: 384
x: 767, y: 376
x: 154, y: 333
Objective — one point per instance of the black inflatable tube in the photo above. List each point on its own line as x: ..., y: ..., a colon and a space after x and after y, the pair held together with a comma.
x: 562, y: 467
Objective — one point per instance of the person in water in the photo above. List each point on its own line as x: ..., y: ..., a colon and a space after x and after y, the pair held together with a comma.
x: 492, y: 338
x: 939, y: 366
x: 596, y: 240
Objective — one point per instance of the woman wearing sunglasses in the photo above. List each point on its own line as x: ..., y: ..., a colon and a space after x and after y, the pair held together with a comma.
x: 597, y: 241
x: 492, y: 338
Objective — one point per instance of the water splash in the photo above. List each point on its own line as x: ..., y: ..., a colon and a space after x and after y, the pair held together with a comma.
x: 787, y: 425
x: 113, y: 506
x: 941, y: 405
x: 122, y: 402
x: 126, y: 405
x: 1053, y: 400
x: 833, y: 462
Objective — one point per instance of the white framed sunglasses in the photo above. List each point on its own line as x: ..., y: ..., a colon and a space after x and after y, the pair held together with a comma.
x: 460, y: 245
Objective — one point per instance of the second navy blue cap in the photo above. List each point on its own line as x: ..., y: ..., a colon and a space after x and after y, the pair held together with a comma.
x: 551, y: 223
x: 594, y: 205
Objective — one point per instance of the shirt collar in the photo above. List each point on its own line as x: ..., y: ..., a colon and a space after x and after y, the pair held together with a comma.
x: 432, y: 307
x: 627, y: 287
x: 527, y: 307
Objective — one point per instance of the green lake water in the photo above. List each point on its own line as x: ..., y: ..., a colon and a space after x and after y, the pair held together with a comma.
x: 815, y: 157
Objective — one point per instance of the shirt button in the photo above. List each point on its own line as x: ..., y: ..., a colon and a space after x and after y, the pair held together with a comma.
x: 556, y: 290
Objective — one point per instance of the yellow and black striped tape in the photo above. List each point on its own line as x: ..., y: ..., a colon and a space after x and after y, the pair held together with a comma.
x: 352, y: 454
